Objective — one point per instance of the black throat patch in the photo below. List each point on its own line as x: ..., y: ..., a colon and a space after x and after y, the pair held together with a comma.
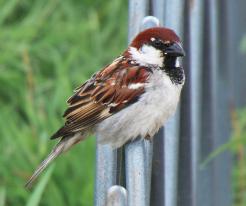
x: 176, y: 74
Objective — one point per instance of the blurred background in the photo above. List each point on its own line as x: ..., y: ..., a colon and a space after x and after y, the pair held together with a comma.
x: 47, y: 48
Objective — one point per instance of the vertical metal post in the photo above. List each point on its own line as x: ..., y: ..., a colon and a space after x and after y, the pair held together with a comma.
x: 195, y: 15
x: 134, y: 152
x: 223, y: 163
x: 105, y: 173
x: 158, y: 170
x: 136, y: 173
x: 190, y: 116
x: 137, y: 11
x: 171, y: 131
x: 139, y: 158
x: 206, y: 192
x: 158, y: 163
x: 185, y: 176
x: 165, y: 158
x: 159, y: 9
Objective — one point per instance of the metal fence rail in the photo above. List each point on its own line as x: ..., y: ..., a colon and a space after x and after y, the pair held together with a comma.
x: 169, y: 172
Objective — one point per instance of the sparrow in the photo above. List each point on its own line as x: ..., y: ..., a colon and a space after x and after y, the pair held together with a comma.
x: 131, y: 97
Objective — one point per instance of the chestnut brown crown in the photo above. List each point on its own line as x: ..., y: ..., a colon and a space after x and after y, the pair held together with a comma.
x: 161, y: 33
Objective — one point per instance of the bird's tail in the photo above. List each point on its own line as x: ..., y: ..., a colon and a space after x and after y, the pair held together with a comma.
x: 64, y: 144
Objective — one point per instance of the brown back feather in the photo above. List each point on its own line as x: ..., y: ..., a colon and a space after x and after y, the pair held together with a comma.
x: 106, y: 93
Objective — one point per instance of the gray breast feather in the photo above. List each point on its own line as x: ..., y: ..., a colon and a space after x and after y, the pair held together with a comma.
x: 144, y: 117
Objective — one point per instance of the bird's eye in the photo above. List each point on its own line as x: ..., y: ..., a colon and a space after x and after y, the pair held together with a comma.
x: 157, y: 43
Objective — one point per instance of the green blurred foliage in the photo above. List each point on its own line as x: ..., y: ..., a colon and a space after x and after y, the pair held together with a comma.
x: 47, y: 48
x: 237, y: 145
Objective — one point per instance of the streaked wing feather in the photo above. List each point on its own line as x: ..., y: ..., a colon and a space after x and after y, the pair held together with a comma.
x: 104, y: 94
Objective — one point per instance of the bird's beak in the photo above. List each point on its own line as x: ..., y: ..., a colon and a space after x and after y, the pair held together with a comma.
x: 175, y: 50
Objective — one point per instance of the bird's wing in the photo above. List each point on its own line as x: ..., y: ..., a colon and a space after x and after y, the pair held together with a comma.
x: 112, y: 89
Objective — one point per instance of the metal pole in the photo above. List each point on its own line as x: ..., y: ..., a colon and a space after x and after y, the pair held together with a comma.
x: 223, y: 162
x: 134, y: 152
x: 171, y: 140
x: 158, y: 171
x: 139, y: 158
x: 137, y: 11
x: 135, y: 174
x: 208, y: 128
x: 106, y: 167
x: 190, y: 117
x: 196, y: 34
x: 185, y: 176
x: 105, y: 173
x: 159, y: 9
x: 158, y: 163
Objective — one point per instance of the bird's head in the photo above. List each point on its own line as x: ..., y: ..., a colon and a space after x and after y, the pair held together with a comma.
x: 156, y: 46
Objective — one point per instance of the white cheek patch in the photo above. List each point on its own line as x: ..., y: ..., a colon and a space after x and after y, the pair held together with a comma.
x: 147, y: 55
